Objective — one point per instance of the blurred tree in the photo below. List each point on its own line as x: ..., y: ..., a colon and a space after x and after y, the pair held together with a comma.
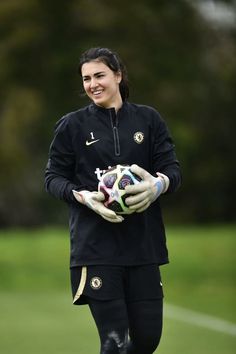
x: 177, y: 60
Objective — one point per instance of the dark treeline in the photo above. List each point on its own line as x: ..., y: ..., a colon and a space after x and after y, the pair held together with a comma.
x: 178, y: 61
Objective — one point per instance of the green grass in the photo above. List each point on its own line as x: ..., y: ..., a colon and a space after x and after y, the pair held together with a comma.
x: 201, y: 275
x: 35, y: 300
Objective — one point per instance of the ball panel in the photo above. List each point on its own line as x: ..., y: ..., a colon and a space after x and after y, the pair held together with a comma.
x: 110, y: 179
x: 125, y: 180
x: 115, y: 206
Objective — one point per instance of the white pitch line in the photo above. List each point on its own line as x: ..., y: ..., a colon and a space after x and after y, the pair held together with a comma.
x: 199, y: 319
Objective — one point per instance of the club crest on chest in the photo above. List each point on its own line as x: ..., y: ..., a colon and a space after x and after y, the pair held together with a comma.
x: 139, y: 137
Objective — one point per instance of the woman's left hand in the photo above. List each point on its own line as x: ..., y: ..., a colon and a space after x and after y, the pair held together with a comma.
x: 145, y: 192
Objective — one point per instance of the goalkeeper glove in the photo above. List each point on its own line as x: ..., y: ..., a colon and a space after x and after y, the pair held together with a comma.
x: 147, y: 191
x: 94, y: 201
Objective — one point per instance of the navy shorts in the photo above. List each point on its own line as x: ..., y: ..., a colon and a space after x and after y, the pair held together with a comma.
x: 103, y: 282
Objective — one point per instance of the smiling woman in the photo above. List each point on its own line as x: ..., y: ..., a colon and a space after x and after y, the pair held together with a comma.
x: 112, y: 62
x: 115, y: 259
x: 101, y: 84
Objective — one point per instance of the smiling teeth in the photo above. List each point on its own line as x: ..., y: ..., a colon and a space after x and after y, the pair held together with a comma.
x: 97, y: 92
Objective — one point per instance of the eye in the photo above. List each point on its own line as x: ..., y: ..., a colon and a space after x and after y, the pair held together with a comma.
x: 85, y: 79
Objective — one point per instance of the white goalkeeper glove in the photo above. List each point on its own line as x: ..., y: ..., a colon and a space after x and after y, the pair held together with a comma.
x: 94, y: 200
x: 147, y: 191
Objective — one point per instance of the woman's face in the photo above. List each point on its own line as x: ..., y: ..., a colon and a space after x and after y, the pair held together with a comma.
x: 101, y: 84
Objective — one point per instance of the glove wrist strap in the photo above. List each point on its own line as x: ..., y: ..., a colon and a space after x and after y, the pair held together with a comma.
x: 166, y: 181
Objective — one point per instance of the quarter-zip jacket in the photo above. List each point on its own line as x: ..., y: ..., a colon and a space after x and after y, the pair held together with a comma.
x: 86, y: 143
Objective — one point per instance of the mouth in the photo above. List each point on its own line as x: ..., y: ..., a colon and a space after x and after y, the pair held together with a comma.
x: 97, y: 93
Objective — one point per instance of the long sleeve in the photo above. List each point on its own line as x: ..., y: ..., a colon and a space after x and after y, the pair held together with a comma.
x: 165, y: 160
x: 60, y: 170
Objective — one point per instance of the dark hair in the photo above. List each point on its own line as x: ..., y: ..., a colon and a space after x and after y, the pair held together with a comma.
x: 112, y: 60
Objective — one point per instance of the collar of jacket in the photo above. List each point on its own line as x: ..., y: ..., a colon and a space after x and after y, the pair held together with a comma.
x: 98, y: 109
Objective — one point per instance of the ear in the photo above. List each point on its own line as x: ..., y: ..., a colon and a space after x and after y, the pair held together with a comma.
x: 119, y: 76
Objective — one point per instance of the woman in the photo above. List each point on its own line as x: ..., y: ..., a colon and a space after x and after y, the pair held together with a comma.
x: 115, y: 259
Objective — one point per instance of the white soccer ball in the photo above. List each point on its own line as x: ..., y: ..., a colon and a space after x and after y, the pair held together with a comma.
x: 112, y: 185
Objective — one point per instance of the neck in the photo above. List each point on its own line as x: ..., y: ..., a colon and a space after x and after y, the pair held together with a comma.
x: 117, y: 104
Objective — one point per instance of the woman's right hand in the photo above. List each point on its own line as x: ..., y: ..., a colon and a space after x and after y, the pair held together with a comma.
x: 94, y: 200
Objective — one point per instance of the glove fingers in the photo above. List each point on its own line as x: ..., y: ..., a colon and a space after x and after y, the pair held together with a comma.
x: 136, y: 199
x: 118, y: 218
x: 107, y: 213
x: 143, y: 208
x: 98, y: 196
x: 137, y: 206
x: 139, y: 171
x: 137, y: 188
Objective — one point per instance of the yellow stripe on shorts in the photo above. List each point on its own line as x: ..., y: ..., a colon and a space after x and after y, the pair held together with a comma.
x: 81, y: 284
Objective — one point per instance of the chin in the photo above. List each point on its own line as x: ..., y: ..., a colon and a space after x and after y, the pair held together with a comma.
x: 101, y: 103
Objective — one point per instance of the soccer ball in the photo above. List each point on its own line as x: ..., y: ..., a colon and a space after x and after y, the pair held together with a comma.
x: 112, y: 185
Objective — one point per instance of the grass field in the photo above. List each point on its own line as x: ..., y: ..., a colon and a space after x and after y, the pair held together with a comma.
x: 35, y: 300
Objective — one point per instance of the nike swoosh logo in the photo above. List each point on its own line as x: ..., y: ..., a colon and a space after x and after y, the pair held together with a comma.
x: 91, y: 142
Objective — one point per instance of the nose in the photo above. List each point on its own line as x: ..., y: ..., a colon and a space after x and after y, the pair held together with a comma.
x: 93, y: 82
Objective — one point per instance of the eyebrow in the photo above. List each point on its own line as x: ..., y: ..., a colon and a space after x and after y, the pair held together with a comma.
x: 95, y: 74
